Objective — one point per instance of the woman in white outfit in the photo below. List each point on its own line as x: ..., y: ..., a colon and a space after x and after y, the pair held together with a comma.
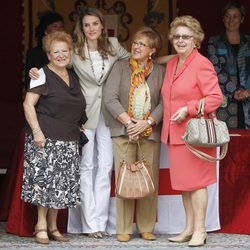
x: 93, y: 57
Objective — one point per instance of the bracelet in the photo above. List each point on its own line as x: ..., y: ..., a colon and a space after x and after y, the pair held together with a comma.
x: 128, y: 123
x: 36, y: 130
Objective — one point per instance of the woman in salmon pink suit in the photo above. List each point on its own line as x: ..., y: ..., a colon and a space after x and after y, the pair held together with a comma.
x: 189, y: 77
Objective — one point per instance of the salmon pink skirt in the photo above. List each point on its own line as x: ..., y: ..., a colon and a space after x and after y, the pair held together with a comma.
x: 187, y: 171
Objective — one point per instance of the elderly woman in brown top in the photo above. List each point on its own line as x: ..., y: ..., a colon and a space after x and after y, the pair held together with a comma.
x: 132, y: 96
x: 53, y: 108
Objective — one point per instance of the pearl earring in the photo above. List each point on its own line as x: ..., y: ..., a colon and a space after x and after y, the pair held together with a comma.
x: 149, y: 57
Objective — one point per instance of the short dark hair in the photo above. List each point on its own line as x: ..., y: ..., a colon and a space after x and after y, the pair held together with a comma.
x: 234, y: 4
x: 46, y: 19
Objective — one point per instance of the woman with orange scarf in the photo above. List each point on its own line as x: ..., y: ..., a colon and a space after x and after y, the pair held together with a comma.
x: 132, y: 96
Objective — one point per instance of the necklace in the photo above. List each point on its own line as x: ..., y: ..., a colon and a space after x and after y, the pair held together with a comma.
x: 92, y: 67
x: 57, y: 72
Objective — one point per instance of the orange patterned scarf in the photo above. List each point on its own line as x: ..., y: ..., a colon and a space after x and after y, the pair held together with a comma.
x: 139, y: 94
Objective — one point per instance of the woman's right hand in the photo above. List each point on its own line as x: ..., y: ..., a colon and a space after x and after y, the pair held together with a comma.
x: 82, y: 128
x: 241, y: 95
x: 180, y: 115
x: 34, y: 74
x: 137, y: 127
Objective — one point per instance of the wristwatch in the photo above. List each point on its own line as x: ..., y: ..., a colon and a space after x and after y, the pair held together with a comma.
x: 149, y: 122
x: 127, y: 123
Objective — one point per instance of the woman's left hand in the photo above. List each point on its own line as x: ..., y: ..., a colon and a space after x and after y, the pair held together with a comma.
x: 180, y: 115
x: 133, y: 138
x: 137, y: 127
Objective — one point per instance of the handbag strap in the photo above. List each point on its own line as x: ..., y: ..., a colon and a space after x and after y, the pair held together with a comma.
x: 205, y: 156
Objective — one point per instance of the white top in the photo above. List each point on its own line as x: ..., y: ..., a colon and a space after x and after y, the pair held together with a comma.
x: 97, y: 64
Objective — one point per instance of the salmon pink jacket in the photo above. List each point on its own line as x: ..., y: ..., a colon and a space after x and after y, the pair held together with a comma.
x: 196, y: 79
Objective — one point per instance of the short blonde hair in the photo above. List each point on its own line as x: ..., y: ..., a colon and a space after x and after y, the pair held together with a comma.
x: 59, y: 36
x: 154, y: 40
x: 191, y: 23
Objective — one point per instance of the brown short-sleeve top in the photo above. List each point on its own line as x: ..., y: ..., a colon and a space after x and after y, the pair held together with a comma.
x: 60, y: 107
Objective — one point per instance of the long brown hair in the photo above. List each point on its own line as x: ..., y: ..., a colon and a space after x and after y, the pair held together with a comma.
x: 104, y: 46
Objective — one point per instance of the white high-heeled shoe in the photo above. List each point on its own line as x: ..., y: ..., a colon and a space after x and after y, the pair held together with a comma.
x: 180, y: 238
x: 198, y: 239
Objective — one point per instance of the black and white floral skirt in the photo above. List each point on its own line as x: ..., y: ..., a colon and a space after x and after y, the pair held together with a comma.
x: 51, y: 175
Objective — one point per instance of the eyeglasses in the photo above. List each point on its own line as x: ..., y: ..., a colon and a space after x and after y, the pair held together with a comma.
x: 58, y: 53
x: 184, y: 37
x: 139, y: 44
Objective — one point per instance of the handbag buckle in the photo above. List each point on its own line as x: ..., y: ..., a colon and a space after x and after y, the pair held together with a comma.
x: 133, y: 167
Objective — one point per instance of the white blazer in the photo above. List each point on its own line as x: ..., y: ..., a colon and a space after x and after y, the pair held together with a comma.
x: 91, y: 88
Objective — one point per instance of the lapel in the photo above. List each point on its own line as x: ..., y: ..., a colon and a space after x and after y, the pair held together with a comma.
x: 88, y: 70
x: 87, y: 65
x: 106, y: 73
x: 184, y: 65
x: 172, y: 69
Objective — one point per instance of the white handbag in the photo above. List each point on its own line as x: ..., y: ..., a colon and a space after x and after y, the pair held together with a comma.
x: 207, y: 133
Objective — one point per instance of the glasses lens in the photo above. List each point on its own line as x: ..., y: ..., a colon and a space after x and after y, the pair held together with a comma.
x: 139, y: 44
x: 184, y: 37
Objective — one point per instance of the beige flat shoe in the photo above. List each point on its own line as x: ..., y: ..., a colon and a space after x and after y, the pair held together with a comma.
x: 148, y: 236
x: 123, y: 237
x: 52, y: 236
x: 39, y: 239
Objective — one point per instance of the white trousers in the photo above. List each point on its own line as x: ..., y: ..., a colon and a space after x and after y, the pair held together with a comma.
x: 95, y: 171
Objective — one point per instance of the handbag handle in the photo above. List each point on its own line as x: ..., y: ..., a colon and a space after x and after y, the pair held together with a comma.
x: 139, y: 146
x: 208, y: 157
x: 200, y: 112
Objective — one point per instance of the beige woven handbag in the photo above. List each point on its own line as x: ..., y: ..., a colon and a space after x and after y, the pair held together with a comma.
x: 206, y: 133
x: 134, y: 180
